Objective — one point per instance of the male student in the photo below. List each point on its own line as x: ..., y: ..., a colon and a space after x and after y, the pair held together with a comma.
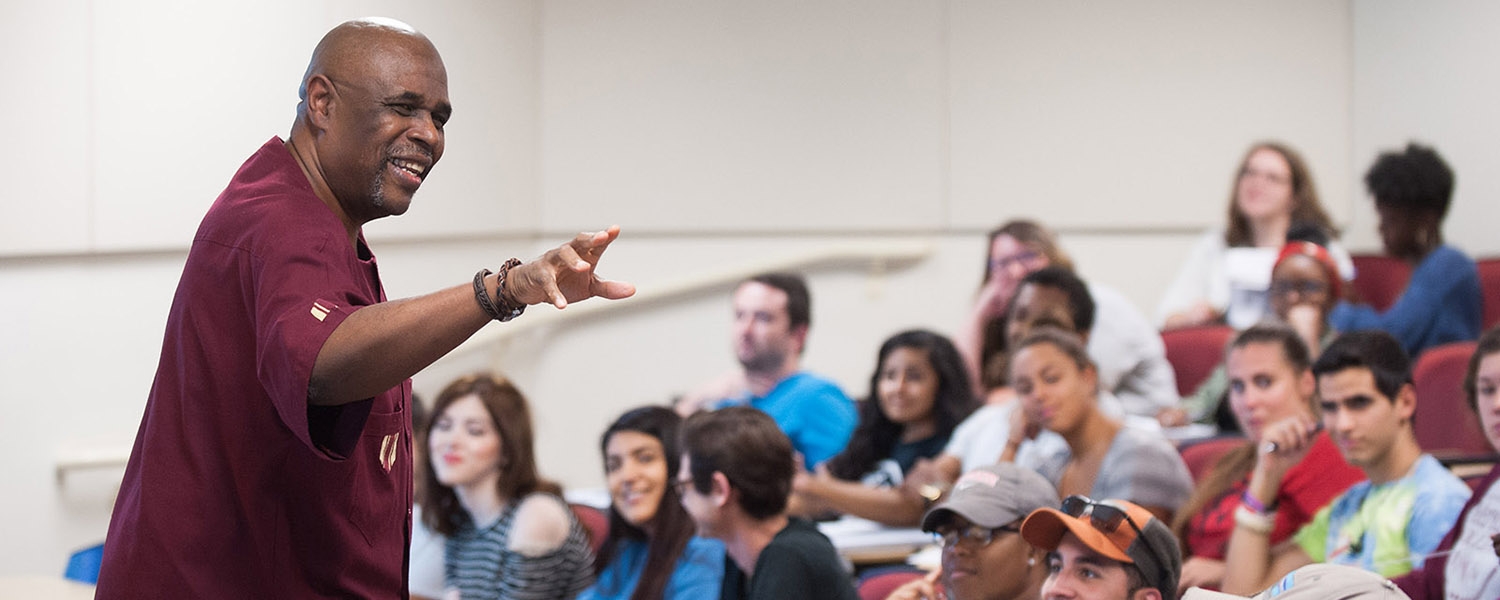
x: 1105, y: 550
x: 736, y: 473
x: 1387, y: 524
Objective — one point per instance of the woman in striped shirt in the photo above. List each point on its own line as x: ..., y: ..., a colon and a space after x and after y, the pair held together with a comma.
x: 510, y: 535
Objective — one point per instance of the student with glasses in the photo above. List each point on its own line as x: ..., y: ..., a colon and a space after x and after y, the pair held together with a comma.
x: 1305, y: 286
x: 1227, y: 271
x: 1104, y: 550
x: 984, y: 556
x: 1126, y: 346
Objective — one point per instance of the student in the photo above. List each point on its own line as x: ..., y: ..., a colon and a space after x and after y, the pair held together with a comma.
x: 1464, y: 564
x: 1270, y: 380
x: 1305, y: 286
x: 919, y: 393
x: 1058, y: 391
x: 1442, y: 301
x: 984, y: 556
x: 737, y: 468
x: 1386, y: 524
x: 651, y: 552
x: 1226, y: 276
x: 1104, y: 550
x: 509, y: 533
x: 1131, y: 356
x: 772, y: 316
x: 1319, y: 582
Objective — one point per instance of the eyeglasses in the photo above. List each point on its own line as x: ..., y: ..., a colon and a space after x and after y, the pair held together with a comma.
x: 1023, y: 258
x: 1107, y: 518
x: 979, y: 536
x: 680, y: 486
x: 1276, y: 178
x: 1304, y: 287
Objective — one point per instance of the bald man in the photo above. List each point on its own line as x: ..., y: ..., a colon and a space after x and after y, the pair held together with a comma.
x: 274, y: 456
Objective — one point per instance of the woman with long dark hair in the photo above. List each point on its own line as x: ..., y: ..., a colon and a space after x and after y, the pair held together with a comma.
x: 509, y: 533
x: 651, y: 552
x: 919, y: 393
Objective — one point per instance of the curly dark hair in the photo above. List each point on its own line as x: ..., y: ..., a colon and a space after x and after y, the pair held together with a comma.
x: 876, y: 435
x: 1415, y: 180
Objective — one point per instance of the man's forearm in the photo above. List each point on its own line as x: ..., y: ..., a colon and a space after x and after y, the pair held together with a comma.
x: 379, y: 346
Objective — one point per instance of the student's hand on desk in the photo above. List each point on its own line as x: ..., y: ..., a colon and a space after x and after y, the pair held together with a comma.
x: 1201, y: 572
x: 565, y: 274
x: 918, y: 589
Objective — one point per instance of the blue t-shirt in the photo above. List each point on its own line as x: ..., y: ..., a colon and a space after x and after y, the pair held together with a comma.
x: 812, y: 411
x: 1442, y: 303
x: 699, y: 572
x: 1388, y: 528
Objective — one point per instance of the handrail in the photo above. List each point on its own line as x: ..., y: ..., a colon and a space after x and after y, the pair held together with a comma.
x: 877, y: 256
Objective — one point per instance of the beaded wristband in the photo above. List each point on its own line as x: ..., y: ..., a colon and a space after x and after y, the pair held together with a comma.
x: 509, y: 308
x: 1250, y: 502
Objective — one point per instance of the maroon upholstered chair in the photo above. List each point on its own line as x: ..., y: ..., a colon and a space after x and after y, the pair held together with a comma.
x: 595, y: 521
x: 1201, y: 457
x: 1489, y: 286
x: 1380, y: 279
x: 1194, y: 352
x: 1445, y: 426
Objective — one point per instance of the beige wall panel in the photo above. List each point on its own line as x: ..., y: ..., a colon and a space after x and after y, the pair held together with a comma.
x: 1135, y: 114
x: 760, y: 116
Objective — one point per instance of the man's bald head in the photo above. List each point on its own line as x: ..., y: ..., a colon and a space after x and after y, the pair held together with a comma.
x: 354, y: 43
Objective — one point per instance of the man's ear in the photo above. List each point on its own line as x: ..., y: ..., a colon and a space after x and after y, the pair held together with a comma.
x: 319, y: 101
x: 1146, y: 593
x: 799, y: 333
x: 720, y: 492
x: 1406, y: 401
x: 1308, y: 386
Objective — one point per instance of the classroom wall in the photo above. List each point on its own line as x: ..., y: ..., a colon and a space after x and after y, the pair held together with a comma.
x: 721, y: 135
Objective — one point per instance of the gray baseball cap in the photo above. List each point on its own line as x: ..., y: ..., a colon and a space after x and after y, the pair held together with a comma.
x: 1320, y: 581
x: 993, y: 496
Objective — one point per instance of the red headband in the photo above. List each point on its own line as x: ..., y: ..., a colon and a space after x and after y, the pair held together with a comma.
x: 1317, y: 253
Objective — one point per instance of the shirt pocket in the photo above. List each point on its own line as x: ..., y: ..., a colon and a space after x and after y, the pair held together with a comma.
x: 381, y: 480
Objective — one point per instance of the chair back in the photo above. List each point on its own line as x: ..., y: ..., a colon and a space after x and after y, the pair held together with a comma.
x: 83, y: 565
x: 593, y: 520
x: 1489, y: 287
x: 1200, y: 457
x: 879, y: 586
x: 1194, y: 352
x: 1380, y: 279
x: 1445, y: 425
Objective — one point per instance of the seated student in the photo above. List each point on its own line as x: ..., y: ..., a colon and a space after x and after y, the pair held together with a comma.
x: 1270, y: 380
x: 1058, y: 391
x: 1304, y: 288
x: 918, y: 394
x: 1464, y: 564
x: 737, y: 471
x: 1048, y: 297
x: 509, y: 533
x: 1387, y: 524
x: 772, y: 316
x: 1104, y: 550
x: 1442, y: 302
x: 424, y: 572
x: 1131, y: 357
x: 984, y: 556
x: 651, y: 552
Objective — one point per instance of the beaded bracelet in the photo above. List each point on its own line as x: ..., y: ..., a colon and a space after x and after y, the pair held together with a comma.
x: 508, y: 308
x: 1251, y: 502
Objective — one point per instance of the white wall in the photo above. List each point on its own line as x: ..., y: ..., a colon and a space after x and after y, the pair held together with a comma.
x: 719, y: 134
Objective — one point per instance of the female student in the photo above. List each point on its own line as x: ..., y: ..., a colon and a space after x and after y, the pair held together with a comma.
x: 1227, y: 274
x: 651, y: 552
x: 919, y: 393
x: 509, y: 534
x: 1270, y: 380
x: 1059, y: 389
